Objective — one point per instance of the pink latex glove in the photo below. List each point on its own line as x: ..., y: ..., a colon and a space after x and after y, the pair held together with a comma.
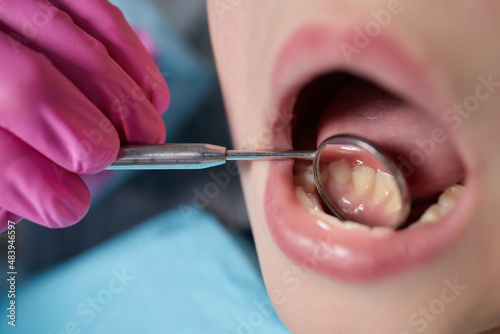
x: 75, y: 81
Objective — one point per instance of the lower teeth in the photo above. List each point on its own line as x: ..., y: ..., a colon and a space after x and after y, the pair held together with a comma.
x: 446, y: 202
x: 307, y: 196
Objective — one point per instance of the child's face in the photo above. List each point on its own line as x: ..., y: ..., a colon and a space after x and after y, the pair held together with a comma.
x: 442, y: 58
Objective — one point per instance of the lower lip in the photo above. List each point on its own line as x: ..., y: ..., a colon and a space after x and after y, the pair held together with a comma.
x: 346, y: 255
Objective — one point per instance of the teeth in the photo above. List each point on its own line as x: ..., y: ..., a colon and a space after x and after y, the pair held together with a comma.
x: 446, y: 202
x: 333, y: 221
x: 363, y: 179
x: 382, y: 231
x: 384, y: 187
x: 302, y: 166
x: 309, y: 201
x: 328, y: 219
x: 350, y: 226
x: 395, y: 203
x: 355, y: 226
x: 323, y: 174
x: 449, y: 198
x: 305, y: 180
x: 432, y: 214
x: 340, y: 171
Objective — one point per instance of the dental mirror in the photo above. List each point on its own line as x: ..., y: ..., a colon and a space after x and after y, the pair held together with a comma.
x: 355, y: 179
x: 358, y: 182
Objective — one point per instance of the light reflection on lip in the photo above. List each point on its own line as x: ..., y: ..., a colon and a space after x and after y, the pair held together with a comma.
x: 352, y: 255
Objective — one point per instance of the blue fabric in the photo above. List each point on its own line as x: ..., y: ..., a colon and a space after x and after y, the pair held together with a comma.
x: 169, y: 275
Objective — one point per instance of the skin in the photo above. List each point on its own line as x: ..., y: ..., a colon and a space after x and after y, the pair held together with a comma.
x: 459, y: 42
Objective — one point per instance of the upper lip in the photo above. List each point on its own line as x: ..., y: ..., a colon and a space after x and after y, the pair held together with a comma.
x: 313, y: 50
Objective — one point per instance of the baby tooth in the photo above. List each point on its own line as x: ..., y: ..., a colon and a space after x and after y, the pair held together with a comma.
x: 446, y: 202
x: 456, y: 190
x: 323, y: 173
x: 348, y: 225
x: 327, y: 219
x: 363, y: 179
x: 382, y: 231
x: 395, y: 203
x: 383, y: 188
x: 432, y: 214
x: 302, y: 166
x: 356, y: 226
x: 340, y: 171
x: 305, y: 199
x: 449, y: 197
x: 305, y: 180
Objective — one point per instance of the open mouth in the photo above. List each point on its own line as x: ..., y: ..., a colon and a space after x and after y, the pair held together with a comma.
x: 340, y: 103
x: 334, y: 97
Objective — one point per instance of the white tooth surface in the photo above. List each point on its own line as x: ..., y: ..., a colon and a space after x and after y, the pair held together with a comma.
x: 363, y: 179
x: 382, y: 231
x: 432, y: 214
x: 446, y: 202
x: 346, y: 225
x: 383, y: 187
x: 305, y: 180
x: 307, y: 200
x: 395, y: 203
x: 356, y: 226
x: 323, y: 173
x: 340, y: 171
x: 449, y: 198
x: 327, y: 218
x: 311, y: 203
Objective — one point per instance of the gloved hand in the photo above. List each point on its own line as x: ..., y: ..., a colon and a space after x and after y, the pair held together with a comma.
x: 75, y: 81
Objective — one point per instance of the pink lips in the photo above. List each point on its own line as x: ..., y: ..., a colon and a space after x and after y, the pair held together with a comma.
x: 356, y: 256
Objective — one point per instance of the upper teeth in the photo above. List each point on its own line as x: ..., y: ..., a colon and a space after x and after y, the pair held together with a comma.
x: 305, y: 180
x: 363, y: 182
x: 363, y: 193
x: 363, y: 179
x: 308, y: 200
x: 340, y: 171
x: 384, y: 187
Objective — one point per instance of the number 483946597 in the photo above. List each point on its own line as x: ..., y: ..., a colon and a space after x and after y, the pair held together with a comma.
x: 11, y: 248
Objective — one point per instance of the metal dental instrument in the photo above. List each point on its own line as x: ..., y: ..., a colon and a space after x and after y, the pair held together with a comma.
x: 193, y: 156
x: 355, y: 150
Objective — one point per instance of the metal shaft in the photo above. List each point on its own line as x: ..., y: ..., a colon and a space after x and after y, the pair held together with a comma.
x: 269, y: 155
x: 192, y: 156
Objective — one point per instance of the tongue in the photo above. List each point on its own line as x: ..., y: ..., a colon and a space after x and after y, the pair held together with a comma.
x: 428, y: 161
